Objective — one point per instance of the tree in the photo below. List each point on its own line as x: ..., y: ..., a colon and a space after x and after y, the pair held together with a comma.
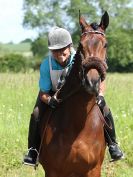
x: 39, y: 47
x: 42, y: 14
x: 120, y: 51
x: 27, y: 40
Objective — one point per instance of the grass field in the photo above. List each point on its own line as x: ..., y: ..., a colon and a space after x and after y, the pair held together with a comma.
x: 17, y: 97
x: 21, y: 48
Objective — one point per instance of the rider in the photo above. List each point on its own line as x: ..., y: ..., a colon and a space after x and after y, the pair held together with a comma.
x: 52, y: 68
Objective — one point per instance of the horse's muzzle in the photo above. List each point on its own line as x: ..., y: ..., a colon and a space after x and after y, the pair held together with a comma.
x: 92, y: 82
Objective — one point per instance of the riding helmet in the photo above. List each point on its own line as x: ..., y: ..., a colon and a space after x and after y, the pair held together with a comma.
x: 58, y: 38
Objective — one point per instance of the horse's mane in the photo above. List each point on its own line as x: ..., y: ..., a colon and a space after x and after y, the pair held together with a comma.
x: 72, y: 79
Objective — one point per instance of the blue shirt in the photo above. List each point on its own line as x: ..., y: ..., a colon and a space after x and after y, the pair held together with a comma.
x: 45, y: 82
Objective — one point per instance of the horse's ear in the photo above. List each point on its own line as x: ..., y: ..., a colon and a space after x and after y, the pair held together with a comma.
x: 104, y: 21
x: 82, y: 23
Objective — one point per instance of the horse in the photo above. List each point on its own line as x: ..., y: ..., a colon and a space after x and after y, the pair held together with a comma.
x: 73, y: 143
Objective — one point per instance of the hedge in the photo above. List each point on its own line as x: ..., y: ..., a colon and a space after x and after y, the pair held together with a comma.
x: 15, y: 63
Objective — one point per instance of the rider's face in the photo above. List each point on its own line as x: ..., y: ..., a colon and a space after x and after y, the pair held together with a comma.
x: 61, y: 55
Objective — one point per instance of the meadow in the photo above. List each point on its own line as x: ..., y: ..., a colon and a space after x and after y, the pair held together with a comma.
x: 23, y: 48
x: 18, y: 93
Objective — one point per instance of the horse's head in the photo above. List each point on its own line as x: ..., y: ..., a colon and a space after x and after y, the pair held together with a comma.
x: 93, y: 46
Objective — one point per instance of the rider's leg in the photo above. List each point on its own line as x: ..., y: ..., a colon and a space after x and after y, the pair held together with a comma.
x: 110, y: 134
x: 33, y: 136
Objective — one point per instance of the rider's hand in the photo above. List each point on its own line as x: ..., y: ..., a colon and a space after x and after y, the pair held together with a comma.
x: 101, y: 101
x: 53, y: 102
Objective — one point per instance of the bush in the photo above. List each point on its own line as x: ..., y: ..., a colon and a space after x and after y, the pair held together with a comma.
x: 14, y: 63
x: 39, y: 46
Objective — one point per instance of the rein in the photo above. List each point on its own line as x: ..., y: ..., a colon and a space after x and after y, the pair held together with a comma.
x: 44, y: 131
x: 73, y: 92
x: 101, y: 117
x: 68, y: 95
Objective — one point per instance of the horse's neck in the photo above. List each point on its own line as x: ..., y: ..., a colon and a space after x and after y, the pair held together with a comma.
x: 82, y: 100
x: 77, y: 108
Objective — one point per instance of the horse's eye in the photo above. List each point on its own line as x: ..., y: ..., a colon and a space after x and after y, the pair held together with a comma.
x: 106, y: 45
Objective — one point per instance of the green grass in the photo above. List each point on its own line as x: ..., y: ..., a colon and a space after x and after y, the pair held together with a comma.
x: 17, y: 98
x: 21, y: 48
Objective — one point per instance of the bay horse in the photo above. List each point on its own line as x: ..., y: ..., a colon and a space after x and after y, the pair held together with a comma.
x: 73, y: 143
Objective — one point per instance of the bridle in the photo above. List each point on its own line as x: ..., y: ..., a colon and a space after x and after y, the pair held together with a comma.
x: 93, y: 31
x: 92, y: 62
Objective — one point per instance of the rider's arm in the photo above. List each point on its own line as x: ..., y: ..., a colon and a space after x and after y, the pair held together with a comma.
x: 45, y: 84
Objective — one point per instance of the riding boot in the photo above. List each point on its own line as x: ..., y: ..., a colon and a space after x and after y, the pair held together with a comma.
x: 110, y: 136
x: 34, y: 138
x: 109, y: 131
x: 33, y: 142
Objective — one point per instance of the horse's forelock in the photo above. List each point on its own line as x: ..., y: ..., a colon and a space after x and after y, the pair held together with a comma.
x: 94, y: 25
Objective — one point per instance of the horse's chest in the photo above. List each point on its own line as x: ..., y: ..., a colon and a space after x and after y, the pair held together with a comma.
x: 77, y: 155
x: 81, y: 153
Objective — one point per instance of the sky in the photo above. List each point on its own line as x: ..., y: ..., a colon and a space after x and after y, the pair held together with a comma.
x: 11, y: 19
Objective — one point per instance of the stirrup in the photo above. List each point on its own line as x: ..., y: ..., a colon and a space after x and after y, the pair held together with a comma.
x: 36, y: 161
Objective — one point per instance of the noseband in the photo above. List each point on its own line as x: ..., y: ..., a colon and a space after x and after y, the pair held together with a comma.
x: 95, y: 63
